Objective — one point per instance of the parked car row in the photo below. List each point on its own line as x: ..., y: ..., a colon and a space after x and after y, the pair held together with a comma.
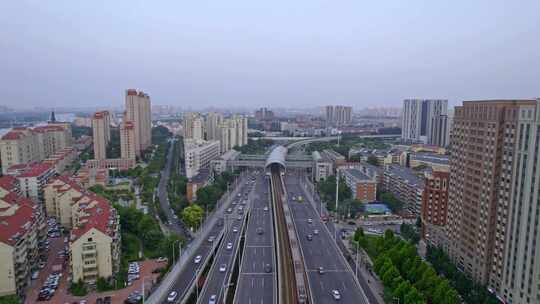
x: 49, y: 287
x: 133, y: 272
x: 134, y: 298
x: 53, y: 230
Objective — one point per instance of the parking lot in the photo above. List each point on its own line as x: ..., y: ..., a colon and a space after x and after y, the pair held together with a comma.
x: 56, y: 263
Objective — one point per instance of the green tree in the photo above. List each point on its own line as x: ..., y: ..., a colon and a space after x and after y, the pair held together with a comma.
x: 402, y: 290
x: 11, y: 299
x: 192, y: 215
x: 413, y: 297
x: 102, y: 285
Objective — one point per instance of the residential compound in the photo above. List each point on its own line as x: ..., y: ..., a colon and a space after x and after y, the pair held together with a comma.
x: 22, y: 225
x: 94, y: 244
x: 135, y: 133
x: 230, y: 132
x: 338, y: 115
x: 494, y: 196
x: 425, y: 120
x: 24, y: 145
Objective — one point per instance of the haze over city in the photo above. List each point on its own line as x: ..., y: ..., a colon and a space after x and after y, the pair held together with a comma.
x: 277, y: 53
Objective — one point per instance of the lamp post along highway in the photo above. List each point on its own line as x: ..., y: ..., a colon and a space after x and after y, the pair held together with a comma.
x: 337, y: 201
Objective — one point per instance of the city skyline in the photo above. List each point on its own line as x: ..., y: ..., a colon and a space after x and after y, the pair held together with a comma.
x: 196, y: 55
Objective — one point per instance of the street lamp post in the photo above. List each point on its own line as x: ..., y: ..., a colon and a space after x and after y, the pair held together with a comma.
x: 173, y: 255
x: 337, y: 201
x: 357, y: 253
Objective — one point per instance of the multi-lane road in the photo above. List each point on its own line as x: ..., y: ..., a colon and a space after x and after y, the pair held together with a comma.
x: 219, y: 276
x: 257, y: 279
x: 175, y: 225
x: 321, y: 251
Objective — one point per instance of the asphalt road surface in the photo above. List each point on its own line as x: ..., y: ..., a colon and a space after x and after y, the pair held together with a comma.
x: 176, y: 226
x: 217, y: 280
x: 185, y: 279
x: 321, y: 251
x: 255, y: 284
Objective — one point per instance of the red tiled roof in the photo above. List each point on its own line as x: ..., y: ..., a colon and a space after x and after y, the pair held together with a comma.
x: 48, y: 128
x: 131, y: 92
x: 35, y: 170
x: 8, y: 183
x: 12, y: 135
x: 14, y: 225
x: 96, y: 216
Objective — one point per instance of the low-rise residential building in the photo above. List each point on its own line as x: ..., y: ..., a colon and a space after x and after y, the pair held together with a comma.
x: 62, y: 159
x: 111, y: 163
x: 94, y: 227
x: 363, y: 187
x: 88, y: 177
x: 323, y: 166
x: 32, y: 178
x: 20, y: 222
x: 406, y: 185
x: 336, y: 158
x: 94, y: 247
x: 199, y: 154
x: 25, y: 145
x: 432, y: 160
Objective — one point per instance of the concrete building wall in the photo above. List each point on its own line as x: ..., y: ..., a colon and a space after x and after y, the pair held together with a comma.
x: 91, y: 257
x: 7, y: 270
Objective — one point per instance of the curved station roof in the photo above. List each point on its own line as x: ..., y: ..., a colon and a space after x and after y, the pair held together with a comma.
x: 277, y: 156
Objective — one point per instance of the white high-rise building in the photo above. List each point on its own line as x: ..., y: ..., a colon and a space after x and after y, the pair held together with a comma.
x: 138, y: 111
x: 233, y: 132
x: 213, y: 120
x: 418, y: 118
x: 101, y: 133
x: 338, y: 115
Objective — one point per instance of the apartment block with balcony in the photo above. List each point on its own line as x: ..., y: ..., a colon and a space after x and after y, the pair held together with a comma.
x: 435, y: 206
x: 19, y: 225
x: 94, y: 228
x: 406, y: 185
x: 199, y: 155
x: 363, y: 187
x: 95, y: 241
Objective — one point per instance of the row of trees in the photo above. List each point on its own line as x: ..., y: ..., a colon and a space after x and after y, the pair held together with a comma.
x: 403, y: 273
x: 469, y: 291
x: 259, y: 146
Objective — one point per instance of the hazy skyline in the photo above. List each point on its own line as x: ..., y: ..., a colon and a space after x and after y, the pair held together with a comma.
x: 276, y: 54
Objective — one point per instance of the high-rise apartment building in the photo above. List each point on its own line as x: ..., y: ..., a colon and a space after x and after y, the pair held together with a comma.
x: 338, y: 115
x: 138, y: 111
x: 127, y: 140
x: 264, y: 113
x: 101, y: 133
x: 233, y: 132
x: 494, y: 207
x: 440, y: 133
x: 193, y: 126
x: 418, y: 118
x: 211, y: 125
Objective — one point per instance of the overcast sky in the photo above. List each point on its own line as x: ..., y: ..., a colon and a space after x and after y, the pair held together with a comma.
x: 267, y: 53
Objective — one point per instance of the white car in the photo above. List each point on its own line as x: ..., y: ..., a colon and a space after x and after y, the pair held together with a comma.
x: 212, y: 300
x: 197, y: 259
x: 265, y: 208
x: 172, y: 296
x: 229, y: 246
x: 309, y: 220
x: 235, y: 229
x: 336, y: 294
x: 222, y: 268
x: 316, y: 231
